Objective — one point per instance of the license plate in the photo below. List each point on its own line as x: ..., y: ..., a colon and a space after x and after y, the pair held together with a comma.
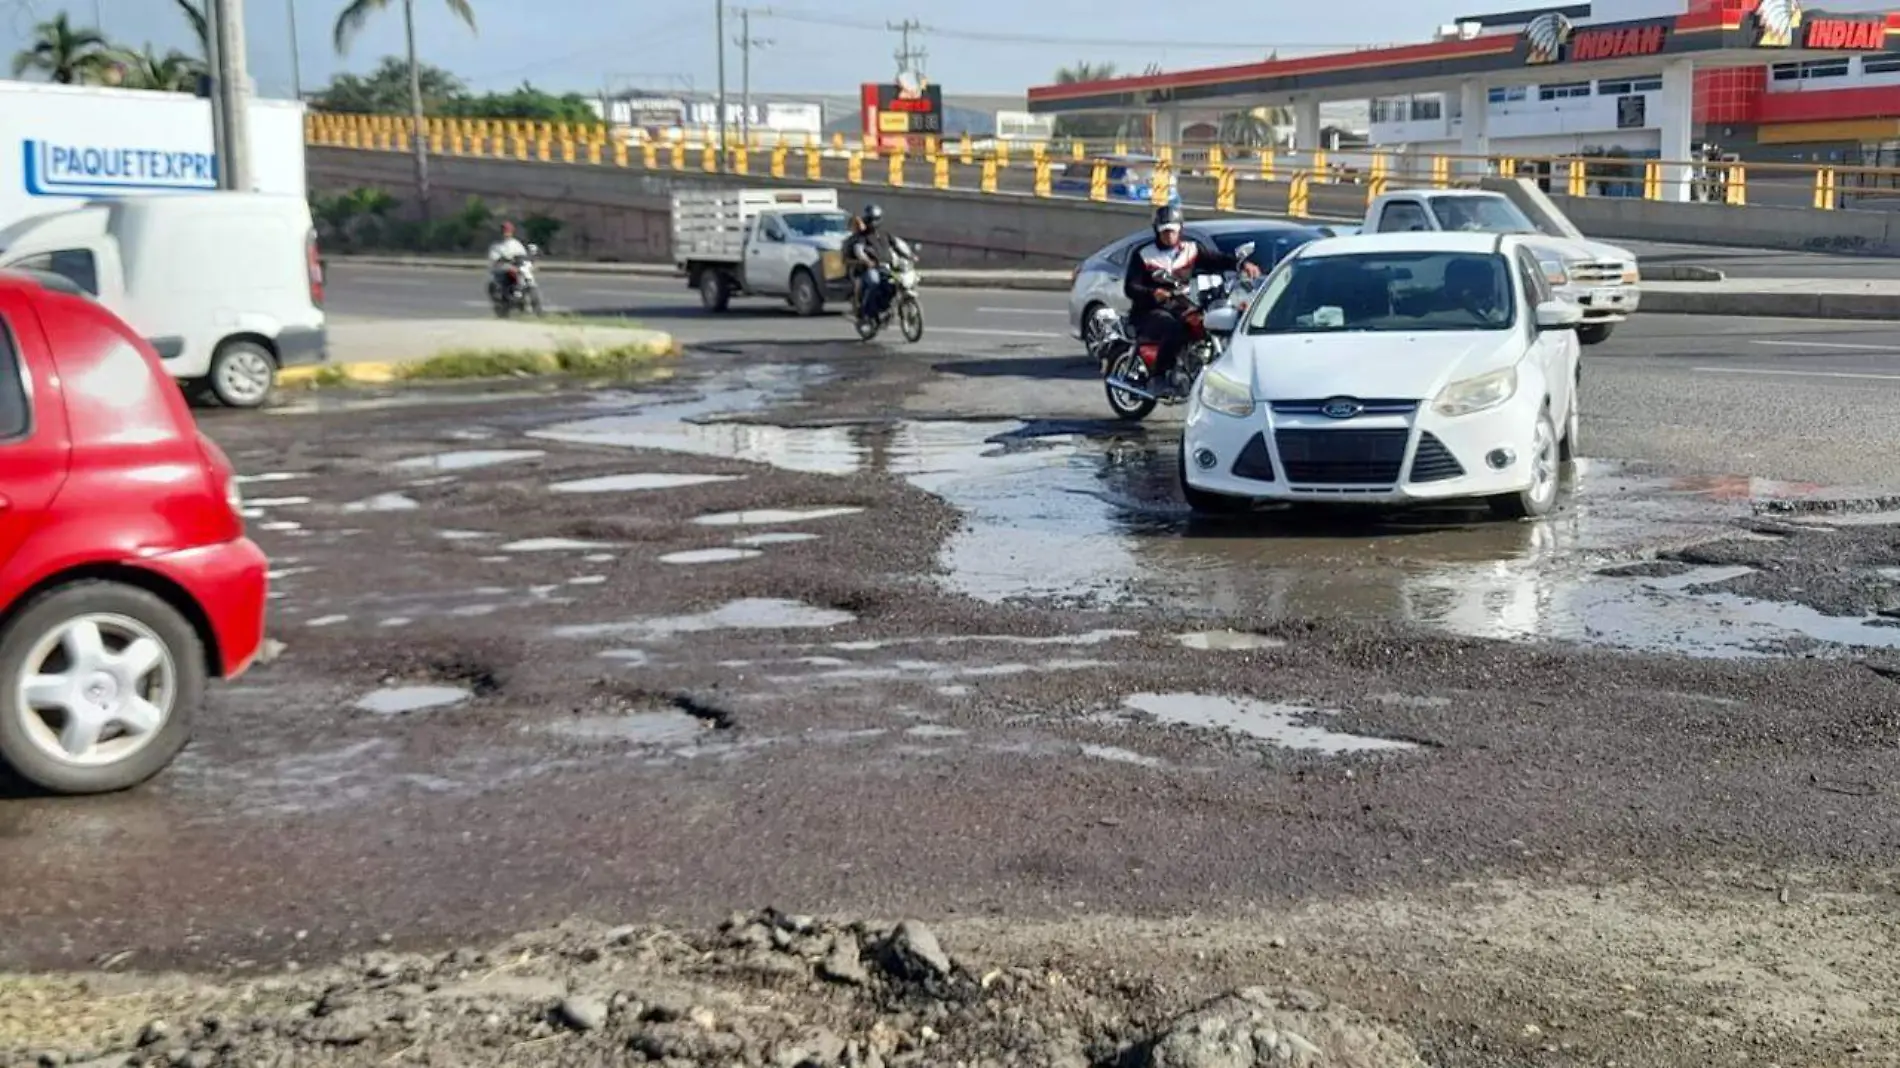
x: 1606, y: 296
x: 833, y: 264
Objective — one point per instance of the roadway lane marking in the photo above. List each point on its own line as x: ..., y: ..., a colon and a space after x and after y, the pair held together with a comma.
x: 1796, y: 374
x: 1827, y: 345
x: 1024, y: 311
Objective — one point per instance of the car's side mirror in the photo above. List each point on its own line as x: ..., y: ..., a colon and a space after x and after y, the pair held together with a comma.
x: 1558, y: 315
x: 534, y: 250
x: 1244, y: 251
x: 1222, y: 320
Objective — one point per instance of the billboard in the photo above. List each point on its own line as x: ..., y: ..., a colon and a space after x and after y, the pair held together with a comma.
x: 902, y: 114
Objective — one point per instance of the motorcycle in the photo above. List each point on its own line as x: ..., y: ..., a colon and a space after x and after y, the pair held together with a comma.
x: 1210, y: 310
x: 512, y: 288
x: 900, y: 276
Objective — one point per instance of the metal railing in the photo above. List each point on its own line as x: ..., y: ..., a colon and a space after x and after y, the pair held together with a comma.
x: 1080, y: 169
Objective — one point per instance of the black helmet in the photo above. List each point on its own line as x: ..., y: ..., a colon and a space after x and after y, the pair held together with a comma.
x: 872, y: 215
x: 1169, y: 216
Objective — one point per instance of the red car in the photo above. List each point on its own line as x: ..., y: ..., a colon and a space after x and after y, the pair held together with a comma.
x: 126, y: 578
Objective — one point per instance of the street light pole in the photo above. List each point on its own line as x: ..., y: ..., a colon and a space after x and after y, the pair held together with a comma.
x: 719, y: 35
x: 296, y: 57
x: 231, y: 96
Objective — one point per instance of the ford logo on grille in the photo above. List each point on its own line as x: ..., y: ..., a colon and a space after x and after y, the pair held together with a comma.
x: 1341, y: 408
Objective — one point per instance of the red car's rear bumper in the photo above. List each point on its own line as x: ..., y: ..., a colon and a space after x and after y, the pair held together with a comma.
x: 230, y: 582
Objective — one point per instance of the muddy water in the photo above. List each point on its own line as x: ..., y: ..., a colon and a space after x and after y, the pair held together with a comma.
x: 1090, y: 514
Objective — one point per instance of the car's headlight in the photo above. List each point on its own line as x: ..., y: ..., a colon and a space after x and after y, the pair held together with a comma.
x: 1631, y: 275
x: 1477, y: 394
x: 1556, y: 273
x: 1225, y: 395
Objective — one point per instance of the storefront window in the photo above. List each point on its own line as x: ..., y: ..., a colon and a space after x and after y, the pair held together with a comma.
x: 1563, y: 92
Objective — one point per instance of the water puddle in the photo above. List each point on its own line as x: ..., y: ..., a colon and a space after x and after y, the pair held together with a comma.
x: 552, y: 545
x: 1278, y: 723
x: 1052, y: 515
x: 398, y: 700
x: 762, y: 517
x: 587, y: 580
x: 709, y: 556
x: 787, y: 537
x: 468, y: 459
x: 275, y: 502
x: 1122, y: 756
x: 327, y: 621
x: 280, y: 526
x: 641, y: 481
x: 756, y: 613
x: 463, y: 535
x: 383, y: 502
x: 271, y: 476
x: 1228, y: 641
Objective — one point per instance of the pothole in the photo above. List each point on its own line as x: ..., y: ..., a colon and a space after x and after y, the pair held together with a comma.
x: 1278, y: 723
x: 468, y: 459
x: 752, y: 613
x: 783, y: 537
x: 383, y: 502
x: 399, y: 700
x: 760, y: 517
x: 686, y: 720
x: 552, y: 545
x: 709, y: 556
x: 646, y: 480
x: 1228, y: 641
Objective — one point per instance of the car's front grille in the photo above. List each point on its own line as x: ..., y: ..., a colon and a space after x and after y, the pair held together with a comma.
x: 1254, y: 461
x: 1600, y: 273
x: 1371, y: 406
x: 1433, y: 462
x: 1342, y: 457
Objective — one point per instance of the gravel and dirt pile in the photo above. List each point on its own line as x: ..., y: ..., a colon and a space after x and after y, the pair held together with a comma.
x: 763, y: 989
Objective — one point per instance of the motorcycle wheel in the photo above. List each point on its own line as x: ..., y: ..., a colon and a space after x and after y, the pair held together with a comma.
x: 1125, y: 405
x: 534, y: 303
x: 501, y: 308
x: 867, y: 327
x: 910, y: 318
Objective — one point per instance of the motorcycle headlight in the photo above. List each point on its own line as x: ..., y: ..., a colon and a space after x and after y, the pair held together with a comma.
x: 1224, y: 395
x: 1477, y: 394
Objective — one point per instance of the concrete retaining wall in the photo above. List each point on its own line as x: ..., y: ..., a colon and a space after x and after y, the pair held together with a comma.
x: 613, y: 214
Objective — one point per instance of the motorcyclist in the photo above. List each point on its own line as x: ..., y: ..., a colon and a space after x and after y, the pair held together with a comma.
x: 852, y: 264
x: 873, y: 250
x: 1155, y: 305
x: 502, y: 255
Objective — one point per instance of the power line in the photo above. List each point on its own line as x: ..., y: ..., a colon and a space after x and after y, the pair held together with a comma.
x: 992, y: 37
x: 908, y: 58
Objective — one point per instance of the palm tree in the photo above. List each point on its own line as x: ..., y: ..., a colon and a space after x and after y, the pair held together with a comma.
x: 200, y: 20
x: 174, y: 72
x: 351, y: 20
x: 1087, y: 127
x: 65, y: 54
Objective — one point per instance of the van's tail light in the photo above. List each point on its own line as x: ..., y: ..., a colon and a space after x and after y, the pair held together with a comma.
x: 315, y: 264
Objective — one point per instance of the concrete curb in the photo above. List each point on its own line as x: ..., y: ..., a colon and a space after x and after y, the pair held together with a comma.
x: 1770, y: 304
x: 385, y: 372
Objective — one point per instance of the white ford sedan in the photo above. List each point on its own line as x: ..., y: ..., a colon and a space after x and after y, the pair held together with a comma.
x: 1392, y: 369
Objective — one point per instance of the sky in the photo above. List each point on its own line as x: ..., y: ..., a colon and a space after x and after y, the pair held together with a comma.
x: 973, y: 46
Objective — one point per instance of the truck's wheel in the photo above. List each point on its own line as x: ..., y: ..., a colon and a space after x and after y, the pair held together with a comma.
x: 1594, y: 333
x: 713, y: 291
x: 807, y: 298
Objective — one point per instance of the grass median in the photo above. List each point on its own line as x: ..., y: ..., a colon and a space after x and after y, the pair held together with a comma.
x: 462, y: 364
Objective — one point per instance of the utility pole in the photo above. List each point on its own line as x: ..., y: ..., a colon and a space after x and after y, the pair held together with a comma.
x: 905, y: 54
x: 747, y: 43
x: 719, y: 37
x: 296, y: 57
x: 230, y: 96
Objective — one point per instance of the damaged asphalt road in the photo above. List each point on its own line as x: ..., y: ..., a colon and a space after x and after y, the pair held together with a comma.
x: 663, y: 650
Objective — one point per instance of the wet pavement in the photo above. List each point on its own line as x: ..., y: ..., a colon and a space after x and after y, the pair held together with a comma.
x: 675, y: 647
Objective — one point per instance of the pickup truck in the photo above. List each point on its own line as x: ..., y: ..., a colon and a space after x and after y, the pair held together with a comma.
x: 785, y: 243
x: 1601, y: 279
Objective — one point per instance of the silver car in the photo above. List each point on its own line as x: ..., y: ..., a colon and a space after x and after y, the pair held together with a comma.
x: 1097, y: 285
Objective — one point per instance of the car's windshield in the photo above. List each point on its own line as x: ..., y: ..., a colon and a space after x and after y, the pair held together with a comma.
x: 1269, y: 246
x: 1491, y: 215
x: 1386, y: 292
x: 816, y: 223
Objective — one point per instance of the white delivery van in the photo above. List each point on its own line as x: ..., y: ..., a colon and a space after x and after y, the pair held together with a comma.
x: 227, y: 287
